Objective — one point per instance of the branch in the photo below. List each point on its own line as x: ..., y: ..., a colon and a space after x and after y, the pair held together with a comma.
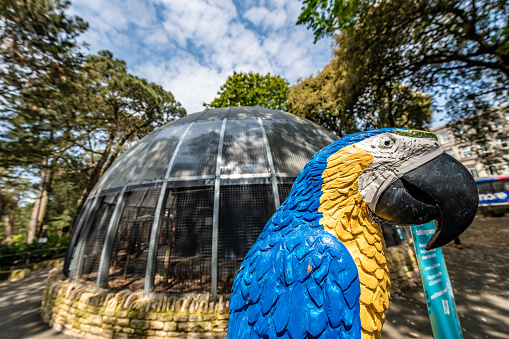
x: 440, y: 58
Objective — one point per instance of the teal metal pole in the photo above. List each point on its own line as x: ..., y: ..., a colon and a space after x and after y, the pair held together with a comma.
x: 437, y: 285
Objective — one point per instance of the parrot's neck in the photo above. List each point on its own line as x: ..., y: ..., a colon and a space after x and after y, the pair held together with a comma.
x: 346, y: 215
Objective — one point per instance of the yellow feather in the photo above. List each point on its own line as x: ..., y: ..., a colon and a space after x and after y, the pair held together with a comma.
x: 345, y: 212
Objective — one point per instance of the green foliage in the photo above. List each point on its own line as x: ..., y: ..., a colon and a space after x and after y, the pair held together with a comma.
x: 16, y: 255
x: 118, y: 107
x: 40, y: 57
x: 252, y: 89
x: 326, y: 17
x: 315, y: 98
x: 324, y: 99
x: 65, y: 116
x: 456, y: 49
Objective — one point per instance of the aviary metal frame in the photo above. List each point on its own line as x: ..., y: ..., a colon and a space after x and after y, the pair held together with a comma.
x: 240, y: 154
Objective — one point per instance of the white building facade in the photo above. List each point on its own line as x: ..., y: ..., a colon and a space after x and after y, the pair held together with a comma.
x: 467, y: 154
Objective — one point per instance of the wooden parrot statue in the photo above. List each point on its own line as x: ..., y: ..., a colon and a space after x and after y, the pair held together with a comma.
x: 318, y: 269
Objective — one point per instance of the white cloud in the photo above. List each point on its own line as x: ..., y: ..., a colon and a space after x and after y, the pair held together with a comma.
x: 267, y: 19
x: 190, y: 47
x: 190, y: 82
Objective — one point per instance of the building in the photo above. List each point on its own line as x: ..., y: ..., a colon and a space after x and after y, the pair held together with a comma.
x: 467, y: 153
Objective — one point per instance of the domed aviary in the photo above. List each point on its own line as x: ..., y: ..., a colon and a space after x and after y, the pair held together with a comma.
x: 178, y: 211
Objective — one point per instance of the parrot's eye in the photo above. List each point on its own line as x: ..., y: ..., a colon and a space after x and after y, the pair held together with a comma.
x: 386, y: 142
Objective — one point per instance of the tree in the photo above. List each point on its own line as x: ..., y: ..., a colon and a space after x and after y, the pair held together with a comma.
x: 60, y: 108
x: 119, y: 108
x: 252, y: 89
x: 40, y: 58
x: 315, y: 98
x: 320, y: 99
x: 327, y: 17
x: 456, y: 49
x: 12, y: 190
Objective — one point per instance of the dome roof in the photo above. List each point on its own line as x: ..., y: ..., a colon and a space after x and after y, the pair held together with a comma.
x: 179, y: 210
x: 256, y: 142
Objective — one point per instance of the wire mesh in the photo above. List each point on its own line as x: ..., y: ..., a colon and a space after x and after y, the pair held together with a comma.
x: 290, y: 153
x: 198, y: 153
x: 284, y: 190
x: 266, y: 113
x: 243, y: 148
x: 183, y: 261
x: 185, y: 242
x: 75, y: 235
x: 295, y: 118
x: 120, y: 170
x: 95, y: 234
x: 186, y: 119
x: 128, y: 260
x: 158, y: 156
x: 244, y: 211
x: 216, y: 114
x: 241, y: 113
x: 391, y: 235
x: 316, y: 137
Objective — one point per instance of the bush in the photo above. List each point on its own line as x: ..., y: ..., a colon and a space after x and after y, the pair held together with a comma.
x: 16, y: 255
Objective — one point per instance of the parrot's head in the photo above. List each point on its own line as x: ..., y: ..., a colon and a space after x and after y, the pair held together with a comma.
x: 411, y: 181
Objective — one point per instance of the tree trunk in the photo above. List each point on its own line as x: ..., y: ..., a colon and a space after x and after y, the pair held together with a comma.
x: 8, y: 226
x: 32, y: 227
x: 44, y: 201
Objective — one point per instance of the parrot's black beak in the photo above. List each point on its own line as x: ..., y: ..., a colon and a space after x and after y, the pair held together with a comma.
x: 441, y: 189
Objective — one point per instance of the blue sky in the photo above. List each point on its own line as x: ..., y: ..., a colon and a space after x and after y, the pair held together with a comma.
x: 190, y: 47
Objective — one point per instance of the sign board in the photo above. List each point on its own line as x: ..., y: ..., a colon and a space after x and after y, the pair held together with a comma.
x: 437, y: 285
x: 43, y: 240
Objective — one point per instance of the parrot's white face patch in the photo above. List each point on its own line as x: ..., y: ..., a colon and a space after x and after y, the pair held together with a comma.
x: 393, y: 156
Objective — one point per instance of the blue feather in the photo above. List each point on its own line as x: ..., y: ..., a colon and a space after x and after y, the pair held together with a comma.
x: 297, y: 325
x: 317, y: 320
x: 334, y: 302
x: 282, y: 310
x: 315, y: 292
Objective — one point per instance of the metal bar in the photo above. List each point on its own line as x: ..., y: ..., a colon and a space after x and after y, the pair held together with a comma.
x: 156, y: 226
x: 215, y: 220
x: 273, y: 177
x: 197, y: 177
x: 205, y: 177
x: 78, y: 254
x: 103, y: 271
x: 104, y: 263
x: 75, y: 236
x: 287, y: 175
x: 245, y: 176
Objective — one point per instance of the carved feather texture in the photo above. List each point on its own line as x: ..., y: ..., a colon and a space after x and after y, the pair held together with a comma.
x: 318, y: 267
x: 345, y: 214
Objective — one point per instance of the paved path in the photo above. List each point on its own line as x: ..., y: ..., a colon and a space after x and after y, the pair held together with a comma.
x: 20, y: 303
x: 479, y: 275
x: 480, y: 279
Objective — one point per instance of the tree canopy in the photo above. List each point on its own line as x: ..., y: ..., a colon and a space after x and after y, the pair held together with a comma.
x: 65, y: 116
x: 252, y: 89
x: 321, y: 98
x: 455, y: 49
x: 315, y: 98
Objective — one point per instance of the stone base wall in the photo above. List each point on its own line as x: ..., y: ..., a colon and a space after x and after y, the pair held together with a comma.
x: 403, y: 267
x: 79, y: 311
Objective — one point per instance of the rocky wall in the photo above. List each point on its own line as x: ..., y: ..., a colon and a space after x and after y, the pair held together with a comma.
x: 403, y: 267
x: 77, y: 310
